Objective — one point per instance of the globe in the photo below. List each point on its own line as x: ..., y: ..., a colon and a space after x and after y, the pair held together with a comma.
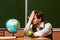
x: 13, y: 25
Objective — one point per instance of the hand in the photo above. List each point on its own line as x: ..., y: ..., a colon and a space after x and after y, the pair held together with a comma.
x: 31, y: 16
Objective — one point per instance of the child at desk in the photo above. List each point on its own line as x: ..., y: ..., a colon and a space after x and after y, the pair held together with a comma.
x: 38, y: 25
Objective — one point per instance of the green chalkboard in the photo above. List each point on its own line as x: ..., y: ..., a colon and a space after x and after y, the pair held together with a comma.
x: 12, y: 9
x: 51, y: 9
x: 16, y: 9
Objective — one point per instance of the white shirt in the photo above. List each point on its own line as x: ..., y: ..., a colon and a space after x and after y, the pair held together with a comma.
x: 44, y: 32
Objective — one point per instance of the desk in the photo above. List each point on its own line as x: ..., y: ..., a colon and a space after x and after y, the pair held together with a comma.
x: 26, y: 38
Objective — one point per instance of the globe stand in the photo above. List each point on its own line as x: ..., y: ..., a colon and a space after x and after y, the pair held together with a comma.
x: 12, y: 34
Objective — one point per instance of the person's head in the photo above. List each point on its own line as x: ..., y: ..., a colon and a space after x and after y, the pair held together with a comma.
x: 38, y: 17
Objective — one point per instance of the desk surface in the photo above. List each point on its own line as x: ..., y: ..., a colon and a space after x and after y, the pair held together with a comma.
x: 27, y: 38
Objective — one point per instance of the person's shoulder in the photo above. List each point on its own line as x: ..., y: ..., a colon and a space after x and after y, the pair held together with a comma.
x: 48, y: 24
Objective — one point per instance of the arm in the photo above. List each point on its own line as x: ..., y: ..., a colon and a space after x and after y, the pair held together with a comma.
x: 45, y: 31
x: 26, y: 29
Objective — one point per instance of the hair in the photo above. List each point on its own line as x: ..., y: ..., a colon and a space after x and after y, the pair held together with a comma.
x: 39, y: 14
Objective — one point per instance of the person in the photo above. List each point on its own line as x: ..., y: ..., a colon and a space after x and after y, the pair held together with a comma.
x: 38, y: 25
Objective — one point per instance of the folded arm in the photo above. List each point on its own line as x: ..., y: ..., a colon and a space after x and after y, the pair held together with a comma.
x: 45, y: 31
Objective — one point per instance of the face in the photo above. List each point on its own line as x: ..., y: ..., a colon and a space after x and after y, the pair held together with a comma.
x: 35, y: 20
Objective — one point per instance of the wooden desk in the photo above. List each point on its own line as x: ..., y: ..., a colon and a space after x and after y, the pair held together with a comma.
x: 27, y: 38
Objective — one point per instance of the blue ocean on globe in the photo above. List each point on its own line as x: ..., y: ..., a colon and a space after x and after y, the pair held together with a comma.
x: 13, y: 25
